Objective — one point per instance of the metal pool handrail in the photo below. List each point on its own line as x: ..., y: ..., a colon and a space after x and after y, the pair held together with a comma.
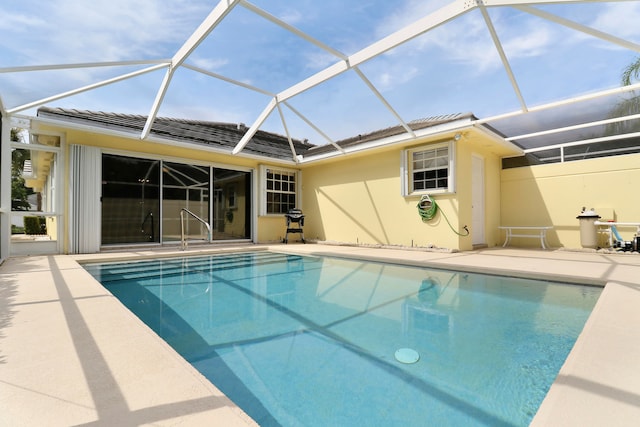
x: 183, y: 241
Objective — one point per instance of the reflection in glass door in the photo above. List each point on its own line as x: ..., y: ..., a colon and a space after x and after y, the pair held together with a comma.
x: 134, y: 189
x: 184, y: 186
x: 130, y: 200
x: 231, y: 204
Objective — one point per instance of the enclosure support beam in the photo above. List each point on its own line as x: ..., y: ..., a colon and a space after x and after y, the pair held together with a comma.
x: 210, y: 22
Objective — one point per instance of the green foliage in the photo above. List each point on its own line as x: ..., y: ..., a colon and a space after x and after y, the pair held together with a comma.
x: 35, y: 225
x: 16, y: 230
x: 19, y: 191
x: 628, y: 106
x: 631, y: 73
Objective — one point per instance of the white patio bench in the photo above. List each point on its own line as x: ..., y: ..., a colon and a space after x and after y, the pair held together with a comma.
x: 526, y: 232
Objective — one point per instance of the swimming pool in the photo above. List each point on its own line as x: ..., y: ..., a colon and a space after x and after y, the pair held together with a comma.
x: 298, y: 340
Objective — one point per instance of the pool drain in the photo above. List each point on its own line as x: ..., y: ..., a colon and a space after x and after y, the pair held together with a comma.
x: 407, y: 355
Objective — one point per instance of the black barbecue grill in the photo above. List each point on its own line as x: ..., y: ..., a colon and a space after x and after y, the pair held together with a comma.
x: 296, y: 218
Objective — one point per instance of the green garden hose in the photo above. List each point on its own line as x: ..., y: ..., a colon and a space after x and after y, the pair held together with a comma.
x: 427, y: 208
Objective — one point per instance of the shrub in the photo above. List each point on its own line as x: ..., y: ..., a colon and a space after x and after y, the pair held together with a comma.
x: 35, y: 225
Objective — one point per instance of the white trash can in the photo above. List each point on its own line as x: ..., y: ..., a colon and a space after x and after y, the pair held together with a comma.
x: 588, y: 228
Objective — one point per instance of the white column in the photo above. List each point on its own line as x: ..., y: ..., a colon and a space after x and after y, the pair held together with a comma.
x: 5, y: 188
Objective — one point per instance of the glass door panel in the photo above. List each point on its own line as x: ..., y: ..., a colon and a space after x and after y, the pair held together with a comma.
x: 130, y: 200
x: 184, y: 186
x: 231, y: 204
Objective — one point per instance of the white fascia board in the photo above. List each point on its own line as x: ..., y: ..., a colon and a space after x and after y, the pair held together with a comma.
x: 456, y: 126
x: 164, y: 141
x: 499, y: 140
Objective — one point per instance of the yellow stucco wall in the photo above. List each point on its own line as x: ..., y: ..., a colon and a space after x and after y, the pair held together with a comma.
x: 554, y: 194
x: 475, y: 145
x: 357, y: 199
x: 269, y: 229
x: 154, y: 149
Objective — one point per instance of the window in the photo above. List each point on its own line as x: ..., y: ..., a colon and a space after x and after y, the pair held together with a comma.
x: 428, y: 169
x: 36, y: 161
x: 280, y: 191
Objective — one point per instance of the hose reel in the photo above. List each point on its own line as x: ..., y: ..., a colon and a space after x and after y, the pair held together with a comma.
x: 428, y: 208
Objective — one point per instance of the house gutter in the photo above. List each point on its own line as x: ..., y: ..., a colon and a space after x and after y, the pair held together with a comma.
x: 35, y: 121
x: 451, y: 127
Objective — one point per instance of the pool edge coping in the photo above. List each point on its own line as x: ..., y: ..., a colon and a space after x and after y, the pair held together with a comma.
x: 598, y: 382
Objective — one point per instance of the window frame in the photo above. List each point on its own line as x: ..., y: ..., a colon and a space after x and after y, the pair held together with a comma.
x: 407, y: 170
x: 264, y: 169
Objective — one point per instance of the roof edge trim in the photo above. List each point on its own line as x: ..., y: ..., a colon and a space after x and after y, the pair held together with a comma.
x: 154, y: 139
x: 456, y: 125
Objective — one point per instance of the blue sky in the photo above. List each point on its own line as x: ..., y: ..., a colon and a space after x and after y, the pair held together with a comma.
x: 454, y: 68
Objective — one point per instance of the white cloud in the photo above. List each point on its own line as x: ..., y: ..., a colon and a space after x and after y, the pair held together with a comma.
x: 105, y: 30
x: 393, y: 78
x: 319, y: 60
x: 68, y: 31
x: 292, y: 16
x: 18, y: 22
x: 620, y: 19
x: 467, y: 40
x: 209, y: 64
x: 534, y: 40
x: 407, y: 13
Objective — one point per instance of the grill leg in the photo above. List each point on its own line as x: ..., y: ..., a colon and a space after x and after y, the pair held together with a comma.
x: 293, y: 230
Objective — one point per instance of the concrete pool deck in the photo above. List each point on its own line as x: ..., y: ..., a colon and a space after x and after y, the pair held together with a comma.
x: 71, y: 354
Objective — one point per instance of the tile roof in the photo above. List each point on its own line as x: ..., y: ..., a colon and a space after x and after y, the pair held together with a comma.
x: 197, y: 132
x: 227, y: 135
x: 392, y: 131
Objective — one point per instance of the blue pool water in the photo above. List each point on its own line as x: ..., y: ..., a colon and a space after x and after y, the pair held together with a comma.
x: 311, y: 341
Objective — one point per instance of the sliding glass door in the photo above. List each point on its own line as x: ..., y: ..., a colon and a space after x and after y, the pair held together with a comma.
x: 130, y: 200
x: 184, y: 187
x: 142, y: 200
x: 232, y: 204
